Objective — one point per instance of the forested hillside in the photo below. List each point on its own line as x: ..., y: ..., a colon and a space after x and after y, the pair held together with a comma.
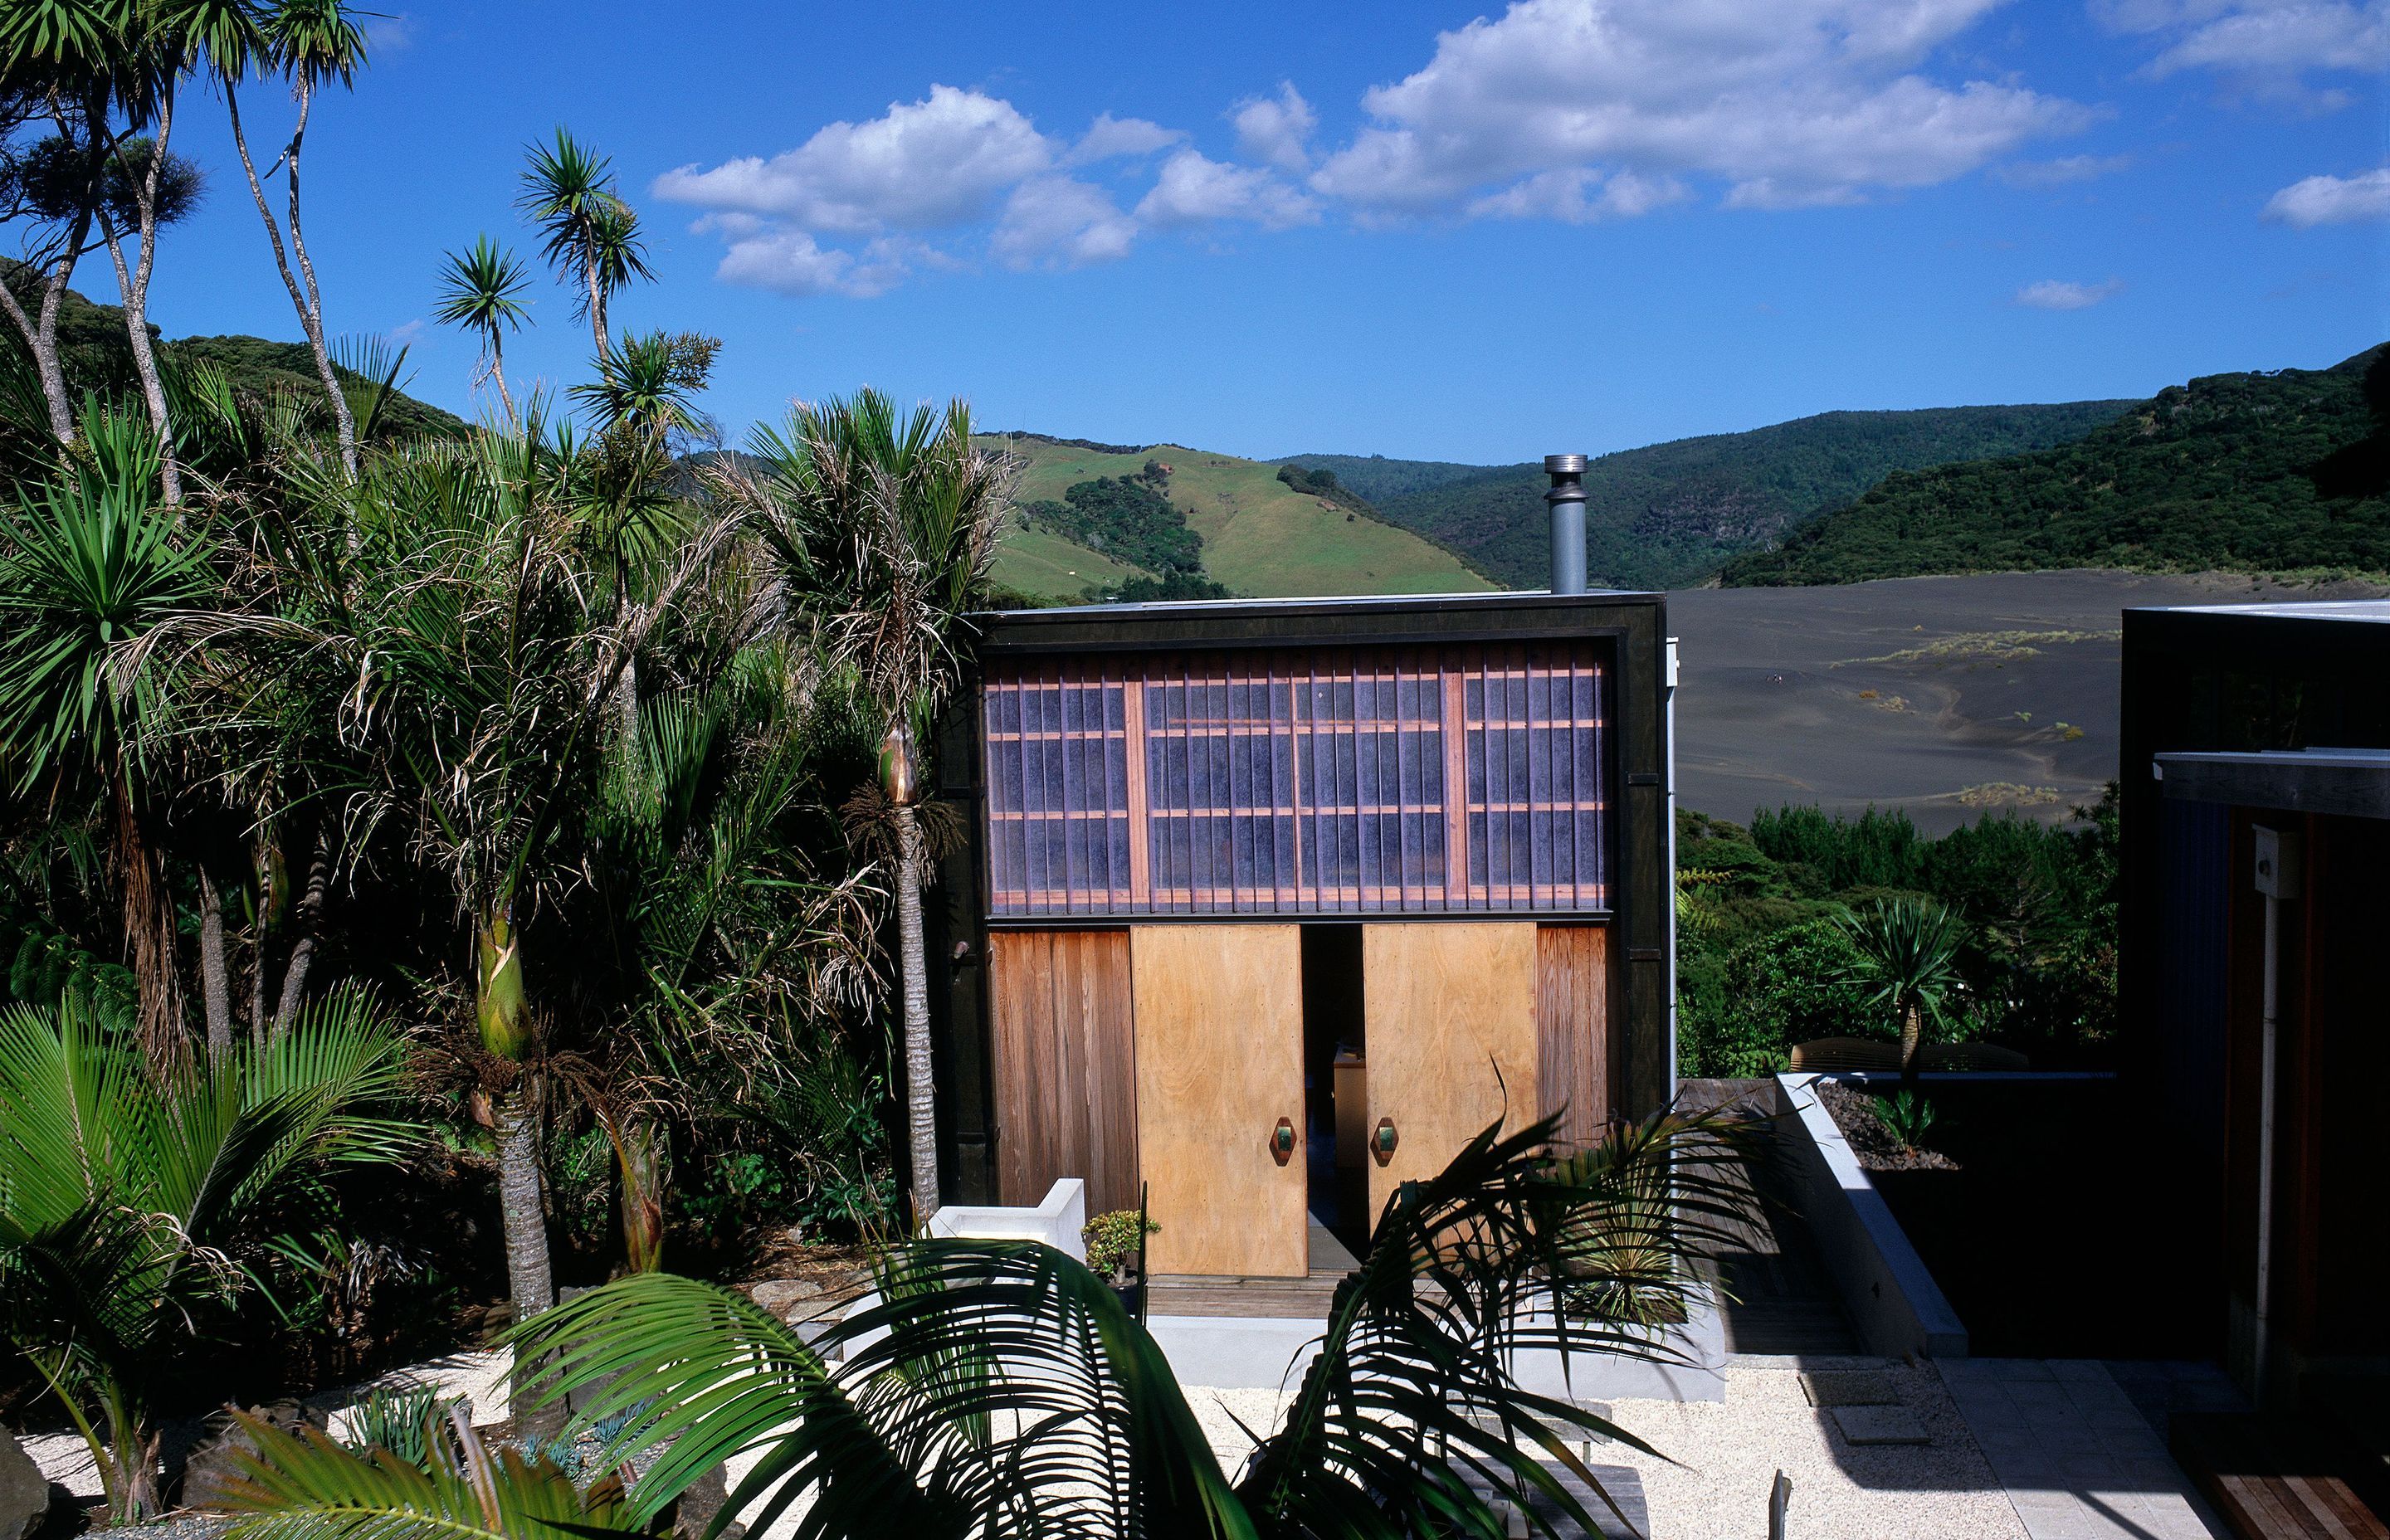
x: 97, y: 356
x: 2279, y: 471
x: 1669, y: 515
x: 1378, y: 479
x: 1166, y: 521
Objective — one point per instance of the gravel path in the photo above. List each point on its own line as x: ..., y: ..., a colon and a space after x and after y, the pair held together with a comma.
x: 1726, y: 1453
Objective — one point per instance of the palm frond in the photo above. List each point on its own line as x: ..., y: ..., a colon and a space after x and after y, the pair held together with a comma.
x: 305, y: 1486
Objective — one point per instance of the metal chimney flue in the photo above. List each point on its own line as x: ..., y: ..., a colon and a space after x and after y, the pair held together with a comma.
x: 1566, y: 500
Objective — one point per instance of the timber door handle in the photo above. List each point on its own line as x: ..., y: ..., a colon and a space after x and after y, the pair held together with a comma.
x: 1281, y: 1141
x: 1383, y: 1140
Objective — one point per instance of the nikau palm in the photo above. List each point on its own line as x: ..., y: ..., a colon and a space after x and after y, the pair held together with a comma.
x: 886, y: 521
x: 999, y: 1388
x: 124, y: 1192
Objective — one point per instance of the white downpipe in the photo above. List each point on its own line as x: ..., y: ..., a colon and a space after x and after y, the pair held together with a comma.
x: 1668, y: 802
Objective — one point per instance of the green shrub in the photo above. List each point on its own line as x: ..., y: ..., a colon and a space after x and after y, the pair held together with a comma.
x: 1114, y: 1238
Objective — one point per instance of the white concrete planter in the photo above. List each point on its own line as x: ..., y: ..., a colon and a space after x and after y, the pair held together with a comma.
x: 1892, y: 1299
x: 1057, y: 1221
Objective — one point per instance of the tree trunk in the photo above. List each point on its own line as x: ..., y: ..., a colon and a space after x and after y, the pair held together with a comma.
x: 305, y: 300
x: 133, y: 288
x: 266, y: 864
x: 45, y: 361
x: 499, y: 373
x: 1912, y: 1043
x: 596, y: 298
x: 642, y: 1150
x: 529, y: 1283
x: 215, y: 977
x: 920, y: 1097
x: 149, y: 932
x: 137, y: 1465
x: 309, y: 920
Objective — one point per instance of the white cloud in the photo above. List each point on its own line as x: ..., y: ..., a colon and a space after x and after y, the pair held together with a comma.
x: 1795, y: 103
x: 2268, y: 46
x: 940, y: 162
x: 1195, y: 189
x: 789, y: 262
x: 1570, y: 196
x: 2064, y: 169
x: 1110, y: 138
x: 1057, y: 221
x: 1276, y: 130
x: 2331, y: 200
x: 2058, y: 294
x: 388, y: 34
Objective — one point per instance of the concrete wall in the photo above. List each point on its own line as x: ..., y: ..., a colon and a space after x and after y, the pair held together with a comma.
x: 1897, y: 1308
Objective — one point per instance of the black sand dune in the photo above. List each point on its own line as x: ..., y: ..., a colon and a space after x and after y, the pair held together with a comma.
x: 1941, y: 696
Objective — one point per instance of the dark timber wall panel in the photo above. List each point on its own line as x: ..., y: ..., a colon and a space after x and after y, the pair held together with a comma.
x: 1572, y: 1027
x: 1065, y: 1064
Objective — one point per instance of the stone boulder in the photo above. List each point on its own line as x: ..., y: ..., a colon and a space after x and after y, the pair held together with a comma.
x: 695, y: 1509
x: 24, y: 1491
x: 214, y: 1465
x: 792, y: 1299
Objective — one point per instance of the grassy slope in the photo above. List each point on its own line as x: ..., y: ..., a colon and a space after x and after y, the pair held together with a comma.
x: 2273, y: 471
x: 1259, y: 537
x: 1046, y: 565
x: 1669, y: 515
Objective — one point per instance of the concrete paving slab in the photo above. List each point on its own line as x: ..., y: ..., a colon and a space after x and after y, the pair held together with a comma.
x: 1859, y: 1388
x: 1866, y: 1425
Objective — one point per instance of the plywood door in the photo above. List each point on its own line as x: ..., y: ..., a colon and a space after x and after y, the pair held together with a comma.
x: 1572, y: 1028
x: 1451, y: 1034
x: 1219, y: 1060
x: 1064, y: 1067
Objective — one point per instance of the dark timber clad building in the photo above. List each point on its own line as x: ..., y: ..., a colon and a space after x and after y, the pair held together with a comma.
x: 1268, y: 906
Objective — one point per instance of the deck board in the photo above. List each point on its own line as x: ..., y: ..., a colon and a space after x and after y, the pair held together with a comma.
x: 2275, y: 1478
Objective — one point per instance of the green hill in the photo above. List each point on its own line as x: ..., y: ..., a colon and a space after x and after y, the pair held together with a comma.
x: 1257, y: 535
x: 2272, y: 471
x: 1378, y: 479
x: 1669, y: 515
x: 98, y: 356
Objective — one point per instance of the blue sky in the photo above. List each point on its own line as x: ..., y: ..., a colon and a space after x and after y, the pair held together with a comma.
x: 1420, y: 230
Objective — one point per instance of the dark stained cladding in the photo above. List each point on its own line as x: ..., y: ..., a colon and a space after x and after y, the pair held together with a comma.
x: 1464, y: 758
x: 1363, y: 780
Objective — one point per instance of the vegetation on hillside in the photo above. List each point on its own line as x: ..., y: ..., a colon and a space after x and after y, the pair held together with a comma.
x: 1125, y: 518
x: 98, y: 358
x: 2273, y: 471
x: 1378, y: 479
x: 1767, y: 957
x: 1669, y: 515
x: 1261, y: 535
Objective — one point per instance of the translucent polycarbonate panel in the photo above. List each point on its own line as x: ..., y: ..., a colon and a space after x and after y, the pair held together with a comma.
x: 1365, y: 780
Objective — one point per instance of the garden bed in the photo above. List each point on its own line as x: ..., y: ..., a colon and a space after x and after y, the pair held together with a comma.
x: 2042, y: 1211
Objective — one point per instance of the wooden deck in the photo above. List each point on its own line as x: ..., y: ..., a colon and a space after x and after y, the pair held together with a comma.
x: 1778, y: 1298
x: 2275, y: 1478
x: 1252, y: 1298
